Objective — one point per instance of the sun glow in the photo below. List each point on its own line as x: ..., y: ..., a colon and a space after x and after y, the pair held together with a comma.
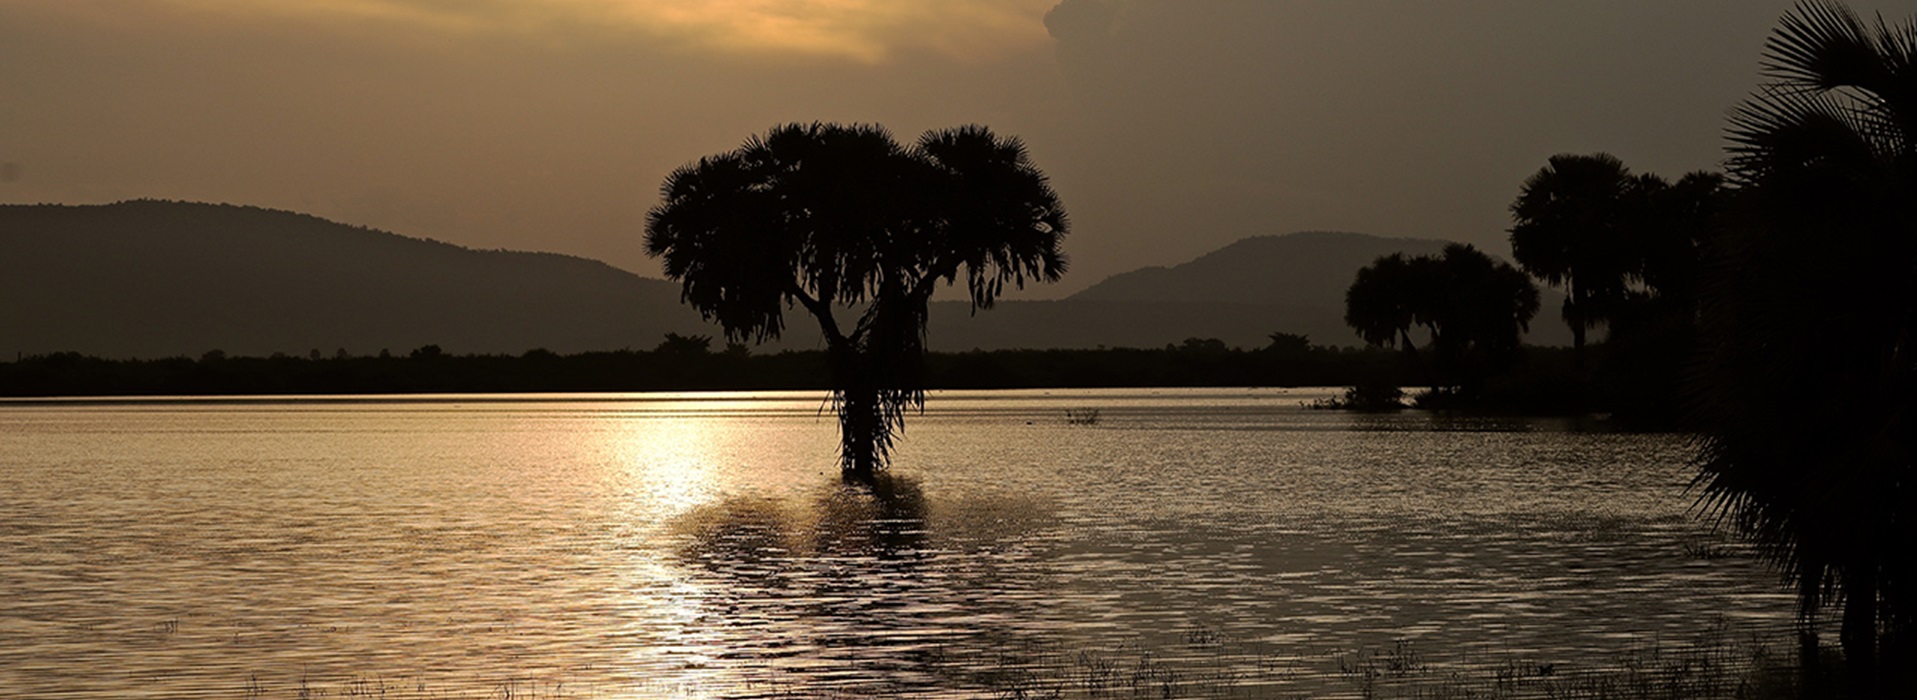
x: 865, y: 30
x: 670, y: 461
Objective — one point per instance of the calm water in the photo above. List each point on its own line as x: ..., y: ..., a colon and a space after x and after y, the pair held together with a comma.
x: 700, y: 546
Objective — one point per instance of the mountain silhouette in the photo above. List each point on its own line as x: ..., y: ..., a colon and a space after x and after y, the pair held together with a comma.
x: 160, y: 279
x: 1307, y: 269
x: 155, y: 279
x: 1293, y: 283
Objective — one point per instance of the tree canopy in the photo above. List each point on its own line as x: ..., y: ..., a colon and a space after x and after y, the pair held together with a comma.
x: 1474, y: 308
x: 844, y: 222
x: 1810, y: 327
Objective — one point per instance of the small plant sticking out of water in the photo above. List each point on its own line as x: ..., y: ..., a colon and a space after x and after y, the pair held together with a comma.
x: 1367, y: 666
x: 380, y: 688
x: 1202, y: 636
x: 1208, y: 664
x: 375, y: 687
x: 1705, y: 549
x: 1203, y: 663
x: 1364, y: 397
x: 1081, y: 416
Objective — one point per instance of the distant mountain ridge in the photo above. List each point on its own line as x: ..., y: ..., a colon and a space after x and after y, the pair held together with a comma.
x: 158, y: 279
x: 1295, y: 283
x: 1308, y: 268
x: 152, y: 278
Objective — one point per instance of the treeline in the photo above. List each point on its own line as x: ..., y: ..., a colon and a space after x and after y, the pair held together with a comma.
x: 1629, y: 249
x: 689, y: 364
x: 1772, y: 308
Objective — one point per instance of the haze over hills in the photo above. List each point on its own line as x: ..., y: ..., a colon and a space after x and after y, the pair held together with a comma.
x: 1294, y: 283
x: 158, y: 279
x: 1307, y: 268
x: 152, y: 279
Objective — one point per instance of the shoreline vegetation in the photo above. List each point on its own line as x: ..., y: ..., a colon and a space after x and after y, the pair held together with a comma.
x: 1716, y: 663
x: 1545, y: 382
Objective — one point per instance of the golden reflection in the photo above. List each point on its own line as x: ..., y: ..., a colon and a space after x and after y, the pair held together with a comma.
x: 838, y: 571
x: 746, y: 552
x: 671, y: 461
x: 684, y: 659
x: 754, y: 536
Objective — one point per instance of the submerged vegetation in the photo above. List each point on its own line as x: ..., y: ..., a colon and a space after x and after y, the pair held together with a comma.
x: 1365, y: 397
x: 1201, y: 663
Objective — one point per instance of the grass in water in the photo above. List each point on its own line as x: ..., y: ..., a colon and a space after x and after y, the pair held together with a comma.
x: 1209, y: 665
x: 1205, y: 664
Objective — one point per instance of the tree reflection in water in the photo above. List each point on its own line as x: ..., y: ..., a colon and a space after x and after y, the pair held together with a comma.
x: 845, y: 589
x: 749, y: 536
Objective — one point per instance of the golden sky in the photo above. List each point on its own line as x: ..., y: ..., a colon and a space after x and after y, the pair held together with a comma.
x: 861, y: 30
x: 1170, y: 128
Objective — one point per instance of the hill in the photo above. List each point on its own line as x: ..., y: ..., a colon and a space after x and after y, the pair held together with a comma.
x: 154, y: 279
x: 1293, y: 283
x: 1306, y: 269
x: 1073, y: 323
x: 158, y: 279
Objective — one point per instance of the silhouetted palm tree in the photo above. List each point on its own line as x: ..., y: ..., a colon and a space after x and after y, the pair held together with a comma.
x: 1475, y: 309
x: 1571, y: 221
x: 1652, y: 329
x: 1810, y: 320
x: 841, y: 220
x: 1485, y: 305
x: 1382, y: 301
x: 1668, y: 247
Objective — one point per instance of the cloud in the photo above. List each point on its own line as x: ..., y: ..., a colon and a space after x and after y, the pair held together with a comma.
x: 867, y: 31
x: 1082, y: 20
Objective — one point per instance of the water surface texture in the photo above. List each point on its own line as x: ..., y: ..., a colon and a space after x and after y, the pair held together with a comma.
x: 700, y: 545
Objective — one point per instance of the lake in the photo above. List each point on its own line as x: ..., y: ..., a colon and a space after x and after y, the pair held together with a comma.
x: 1202, y: 543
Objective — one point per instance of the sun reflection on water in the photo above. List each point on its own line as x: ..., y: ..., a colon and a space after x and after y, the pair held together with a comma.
x: 671, y: 460
x: 704, y: 547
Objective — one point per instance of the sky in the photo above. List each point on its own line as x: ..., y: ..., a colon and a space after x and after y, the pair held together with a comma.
x: 1170, y: 128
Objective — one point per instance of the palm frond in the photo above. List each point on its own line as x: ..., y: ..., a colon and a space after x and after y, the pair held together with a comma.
x: 1823, y: 45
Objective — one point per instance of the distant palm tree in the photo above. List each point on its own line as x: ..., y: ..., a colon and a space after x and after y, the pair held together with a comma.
x: 1652, y: 330
x: 1484, y: 305
x: 842, y: 221
x: 1572, y: 221
x: 1474, y: 308
x: 1381, y: 303
x: 1675, y: 228
x: 1810, y: 320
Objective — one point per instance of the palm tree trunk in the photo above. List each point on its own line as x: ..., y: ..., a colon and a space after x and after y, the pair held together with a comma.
x: 1858, y: 634
x: 860, y: 421
x: 861, y: 417
x: 1574, y: 317
x: 1417, y: 360
x: 1810, y: 673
